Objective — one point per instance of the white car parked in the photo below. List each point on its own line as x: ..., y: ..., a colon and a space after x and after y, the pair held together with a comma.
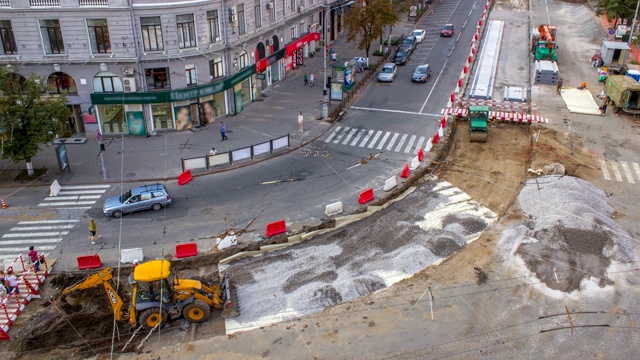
x: 419, y: 34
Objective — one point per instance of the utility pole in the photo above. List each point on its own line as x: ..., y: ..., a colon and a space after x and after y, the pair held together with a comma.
x: 101, y: 147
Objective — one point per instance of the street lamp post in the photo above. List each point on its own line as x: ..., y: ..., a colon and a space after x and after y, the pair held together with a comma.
x: 325, y: 92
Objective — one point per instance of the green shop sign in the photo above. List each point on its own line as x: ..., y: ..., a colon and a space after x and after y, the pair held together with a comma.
x: 173, y: 95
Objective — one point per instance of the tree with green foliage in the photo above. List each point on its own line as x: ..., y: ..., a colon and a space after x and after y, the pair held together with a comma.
x: 365, y: 23
x: 29, y: 117
x: 616, y: 9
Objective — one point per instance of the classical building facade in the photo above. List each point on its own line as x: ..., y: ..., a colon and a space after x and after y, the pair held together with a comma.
x: 139, y: 66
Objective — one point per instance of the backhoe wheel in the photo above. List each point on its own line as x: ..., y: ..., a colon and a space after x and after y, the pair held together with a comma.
x: 150, y: 318
x: 197, y: 312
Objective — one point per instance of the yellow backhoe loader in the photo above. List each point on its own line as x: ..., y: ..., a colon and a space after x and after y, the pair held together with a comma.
x: 158, y: 295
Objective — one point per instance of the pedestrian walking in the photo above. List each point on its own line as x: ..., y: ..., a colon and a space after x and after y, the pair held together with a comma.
x: 559, y: 87
x: 93, y: 230
x: 312, y: 79
x: 605, y: 103
x: 300, y: 122
x: 11, y: 282
x: 306, y: 79
x: 223, y: 131
x: 213, y: 152
x: 33, y: 257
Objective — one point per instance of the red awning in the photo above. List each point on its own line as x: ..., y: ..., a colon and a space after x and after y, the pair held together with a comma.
x: 295, y: 45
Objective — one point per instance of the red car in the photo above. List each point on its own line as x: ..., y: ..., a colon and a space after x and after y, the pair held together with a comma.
x: 447, y: 30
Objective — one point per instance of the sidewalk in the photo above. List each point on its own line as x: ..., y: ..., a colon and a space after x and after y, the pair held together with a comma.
x: 158, y: 158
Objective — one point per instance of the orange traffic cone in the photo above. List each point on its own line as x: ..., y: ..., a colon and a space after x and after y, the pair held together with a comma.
x: 4, y: 205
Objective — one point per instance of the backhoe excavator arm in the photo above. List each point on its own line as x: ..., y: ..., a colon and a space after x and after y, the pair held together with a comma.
x: 102, y: 277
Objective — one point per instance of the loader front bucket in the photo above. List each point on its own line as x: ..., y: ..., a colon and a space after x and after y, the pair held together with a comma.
x: 229, y: 305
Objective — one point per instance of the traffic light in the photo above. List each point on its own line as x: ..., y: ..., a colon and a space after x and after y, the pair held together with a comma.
x: 102, y: 148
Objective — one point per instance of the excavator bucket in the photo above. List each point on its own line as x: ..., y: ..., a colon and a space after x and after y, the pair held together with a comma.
x: 229, y: 306
x: 72, y: 300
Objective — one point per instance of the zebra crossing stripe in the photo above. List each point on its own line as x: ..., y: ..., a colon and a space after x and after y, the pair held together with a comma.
x: 67, y: 203
x: 637, y: 169
x: 86, y: 187
x: 53, y: 227
x: 341, y: 134
x: 419, y: 144
x: 627, y: 172
x: 401, y: 142
x: 605, y: 171
x: 333, y: 133
x: 77, y: 197
x: 616, y: 171
x: 393, y: 140
x: 34, y: 234
x: 80, y: 192
x: 21, y: 249
x: 48, y: 221
x: 375, y: 139
x: 31, y: 241
x: 410, y: 144
x: 384, y: 139
x: 349, y: 135
x: 358, y: 136
x: 366, y: 138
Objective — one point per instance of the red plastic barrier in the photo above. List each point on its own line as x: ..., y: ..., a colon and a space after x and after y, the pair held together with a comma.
x: 185, y: 177
x: 86, y: 262
x: 435, y: 138
x: 460, y: 82
x: 420, y: 154
x: 453, y: 96
x: 366, y: 196
x: 405, y: 171
x: 186, y: 250
x: 466, y: 68
x: 443, y: 122
x: 275, y: 228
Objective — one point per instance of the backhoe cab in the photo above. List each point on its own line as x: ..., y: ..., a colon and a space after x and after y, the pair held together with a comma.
x: 158, y: 295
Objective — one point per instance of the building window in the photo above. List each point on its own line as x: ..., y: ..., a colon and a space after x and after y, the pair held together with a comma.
x: 272, y: 11
x: 190, y: 74
x: 243, y: 60
x: 284, y: 8
x: 157, y: 78
x: 241, y: 26
x: 7, y: 41
x: 186, y: 31
x: 214, y: 26
x: 215, y: 66
x: 107, y: 82
x: 303, y: 27
x: 60, y: 82
x: 99, y: 36
x: 151, y: 33
x: 51, y: 36
x: 258, y: 13
x: 293, y: 33
x: 293, y: 5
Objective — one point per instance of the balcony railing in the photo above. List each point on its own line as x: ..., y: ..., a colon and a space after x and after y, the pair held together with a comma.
x: 5, y: 3
x: 44, y: 3
x: 94, y: 2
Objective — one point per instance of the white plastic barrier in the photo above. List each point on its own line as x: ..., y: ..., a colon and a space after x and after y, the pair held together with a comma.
x: 440, y: 131
x: 226, y: 242
x: 390, y: 183
x: 55, y: 188
x: 429, y: 145
x: 333, y: 209
x: 128, y: 255
x: 414, y: 163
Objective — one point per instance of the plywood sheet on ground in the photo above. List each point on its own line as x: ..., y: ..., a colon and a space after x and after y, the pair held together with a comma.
x: 579, y: 101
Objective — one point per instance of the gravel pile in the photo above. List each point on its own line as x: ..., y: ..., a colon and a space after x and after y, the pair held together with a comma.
x: 430, y: 224
x: 570, y: 241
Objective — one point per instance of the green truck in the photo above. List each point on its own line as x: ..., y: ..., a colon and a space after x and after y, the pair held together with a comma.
x: 478, y: 130
x: 624, y: 92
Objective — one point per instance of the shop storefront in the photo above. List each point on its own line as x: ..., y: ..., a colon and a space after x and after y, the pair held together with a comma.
x: 140, y: 113
x: 294, y: 51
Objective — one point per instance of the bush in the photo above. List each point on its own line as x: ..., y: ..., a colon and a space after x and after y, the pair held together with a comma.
x: 378, y: 53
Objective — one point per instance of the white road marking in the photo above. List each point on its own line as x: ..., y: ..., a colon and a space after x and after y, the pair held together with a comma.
x: 86, y: 187
x: 392, y: 111
x: 349, y: 136
x: 80, y: 197
x: 21, y: 249
x: 31, y: 241
x: 419, y: 144
x: 63, y: 203
x: 81, y: 192
x: 637, y: 169
x: 14, y: 256
x: 358, y: 136
x: 384, y: 139
x: 616, y: 171
x: 401, y: 142
x: 375, y: 139
x: 31, y: 228
x: 339, y: 137
x: 47, y: 221
x: 605, y: 171
x: 410, y: 144
x: 35, y: 234
x: 333, y: 133
x: 393, y: 140
x: 366, y: 138
x: 74, y: 208
x: 627, y: 172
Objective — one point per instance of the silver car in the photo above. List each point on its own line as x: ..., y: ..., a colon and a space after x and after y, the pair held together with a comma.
x: 388, y: 72
x: 145, y: 197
